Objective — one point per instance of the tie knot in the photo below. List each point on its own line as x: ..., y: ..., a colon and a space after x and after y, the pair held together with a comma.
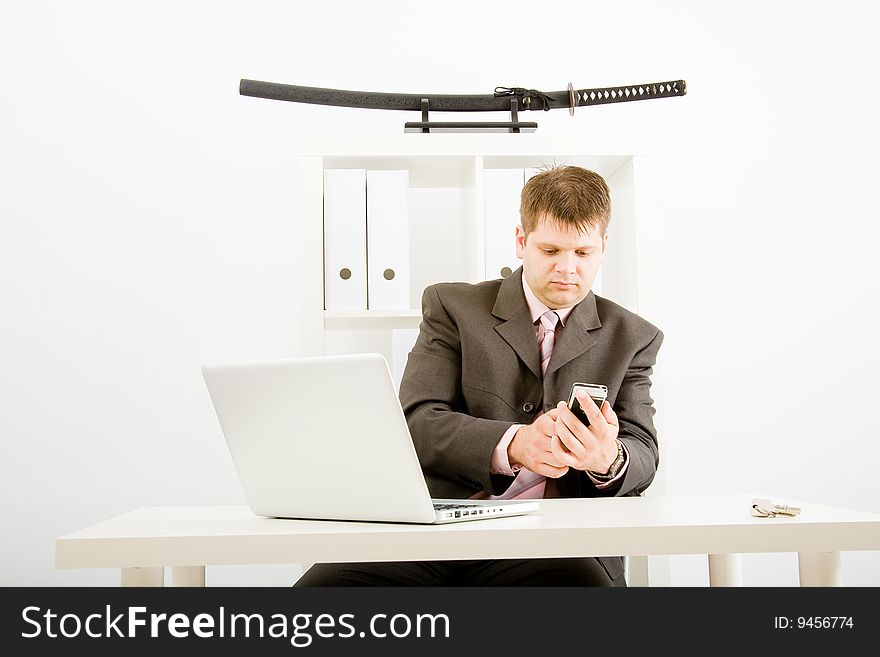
x: 549, y: 320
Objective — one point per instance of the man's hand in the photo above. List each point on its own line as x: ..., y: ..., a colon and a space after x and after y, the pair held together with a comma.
x: 531, y: 447
x: 592, y: 448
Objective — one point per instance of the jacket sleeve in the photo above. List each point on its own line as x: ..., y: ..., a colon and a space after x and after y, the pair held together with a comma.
x: 450, y: 444
x: 635, y: 411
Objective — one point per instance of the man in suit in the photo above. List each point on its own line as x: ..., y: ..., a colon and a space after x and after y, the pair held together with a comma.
x: 484, y: 390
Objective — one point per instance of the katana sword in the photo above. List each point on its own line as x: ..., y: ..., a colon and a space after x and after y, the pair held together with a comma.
x: 499, y: 101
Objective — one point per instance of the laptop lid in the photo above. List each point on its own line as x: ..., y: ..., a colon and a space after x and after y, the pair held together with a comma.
x: 321, y: 437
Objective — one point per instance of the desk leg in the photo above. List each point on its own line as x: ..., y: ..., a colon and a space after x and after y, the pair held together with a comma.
x: 153, y: 576
x: 819, y: 568
x: 725, y: 570
x: 636, y: 571
x: 189, y: 576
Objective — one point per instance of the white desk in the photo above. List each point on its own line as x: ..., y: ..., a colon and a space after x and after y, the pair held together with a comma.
x: 144, y: 541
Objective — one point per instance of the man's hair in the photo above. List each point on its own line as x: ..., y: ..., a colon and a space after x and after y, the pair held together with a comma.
x: 570, y: 196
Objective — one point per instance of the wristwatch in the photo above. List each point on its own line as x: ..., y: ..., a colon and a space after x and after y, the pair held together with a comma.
x: 616, y: 465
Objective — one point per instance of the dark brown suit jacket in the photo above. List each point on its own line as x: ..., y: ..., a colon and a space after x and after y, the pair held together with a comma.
x: 475, y: 370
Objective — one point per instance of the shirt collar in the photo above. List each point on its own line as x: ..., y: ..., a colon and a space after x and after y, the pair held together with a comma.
x: 537, y: 307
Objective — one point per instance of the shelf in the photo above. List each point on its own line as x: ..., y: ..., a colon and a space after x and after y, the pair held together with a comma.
x: 335, y: 320
x: 447, y: 231
x: 379, y: 320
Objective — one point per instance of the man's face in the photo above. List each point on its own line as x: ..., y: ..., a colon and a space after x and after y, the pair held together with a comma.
x: 559, y: 263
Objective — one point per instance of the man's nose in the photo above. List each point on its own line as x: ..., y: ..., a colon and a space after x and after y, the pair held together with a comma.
x: 566, y: 263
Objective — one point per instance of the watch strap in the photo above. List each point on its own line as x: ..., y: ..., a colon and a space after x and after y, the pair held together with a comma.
x: 616, y: 465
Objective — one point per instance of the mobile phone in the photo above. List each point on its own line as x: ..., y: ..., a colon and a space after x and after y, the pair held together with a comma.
x: 597, y: 392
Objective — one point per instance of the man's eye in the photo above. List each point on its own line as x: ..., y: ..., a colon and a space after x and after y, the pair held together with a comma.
x: 549, y: 251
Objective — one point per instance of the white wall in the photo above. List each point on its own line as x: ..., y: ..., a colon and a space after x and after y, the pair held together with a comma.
x: 144, y: 230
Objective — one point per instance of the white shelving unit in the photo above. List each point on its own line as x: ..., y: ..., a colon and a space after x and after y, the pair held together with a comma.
x: 447, y: 232
x: 446, y: 227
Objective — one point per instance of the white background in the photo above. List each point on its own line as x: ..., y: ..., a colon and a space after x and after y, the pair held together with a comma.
x: 145, y: 229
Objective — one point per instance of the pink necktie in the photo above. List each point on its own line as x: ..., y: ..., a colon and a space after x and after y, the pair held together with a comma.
x: 547, y: 337
x: 527, y: 484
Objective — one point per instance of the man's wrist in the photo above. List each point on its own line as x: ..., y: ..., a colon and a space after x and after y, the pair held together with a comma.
x: 501, y: 463
x: 615, y: 467
x: 515, y: 465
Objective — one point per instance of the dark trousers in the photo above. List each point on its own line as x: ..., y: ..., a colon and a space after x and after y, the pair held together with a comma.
x: 585, y: 571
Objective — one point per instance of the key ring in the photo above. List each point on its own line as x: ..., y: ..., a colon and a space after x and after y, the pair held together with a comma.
x: 764, y: 508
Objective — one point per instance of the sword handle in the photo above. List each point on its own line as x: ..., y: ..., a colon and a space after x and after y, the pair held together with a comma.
x: 622, y: 94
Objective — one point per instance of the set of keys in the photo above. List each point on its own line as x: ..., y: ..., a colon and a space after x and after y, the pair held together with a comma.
x: 762, y: 508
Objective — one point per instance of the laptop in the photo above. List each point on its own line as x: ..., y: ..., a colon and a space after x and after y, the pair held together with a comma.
x: 325, y: 438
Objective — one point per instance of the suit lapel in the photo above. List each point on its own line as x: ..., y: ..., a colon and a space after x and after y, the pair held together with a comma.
x: 574, y: 338
x: 517, y: 328
x: 519, y: 332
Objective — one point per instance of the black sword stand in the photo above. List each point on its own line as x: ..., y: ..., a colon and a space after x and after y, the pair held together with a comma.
x: 514, y: 125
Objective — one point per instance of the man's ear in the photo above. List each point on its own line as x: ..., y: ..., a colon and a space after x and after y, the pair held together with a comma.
x: 520, y: 242
x: 604, y: 242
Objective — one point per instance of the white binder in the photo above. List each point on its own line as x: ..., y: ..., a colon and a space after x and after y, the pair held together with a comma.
x: 345, y: 235
x: 502, y: 190
x: 388, y: 240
